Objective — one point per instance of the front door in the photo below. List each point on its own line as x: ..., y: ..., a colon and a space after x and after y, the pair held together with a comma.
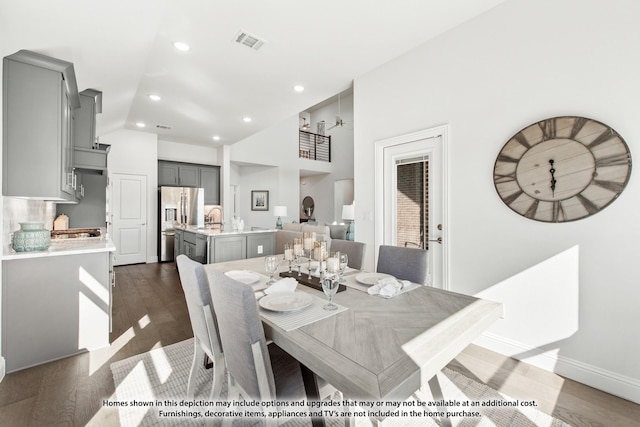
x: 129, y: 217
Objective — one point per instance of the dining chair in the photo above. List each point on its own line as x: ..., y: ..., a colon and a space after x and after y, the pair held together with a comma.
x: 354, y: 250
x: 257, y: 371
x: 403, y: 263
x: 203, y: 322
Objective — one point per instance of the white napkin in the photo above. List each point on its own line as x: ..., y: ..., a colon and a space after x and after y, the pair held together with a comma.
x: 288, y: 284
x: 388, y: 287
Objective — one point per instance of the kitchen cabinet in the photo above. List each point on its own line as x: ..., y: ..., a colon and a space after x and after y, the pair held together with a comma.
x: 176, y: 174
x: 194, y: 246
x: 241, y: 245
x: 55, y: 306
x: 210, y: 181
x: 40, y: 96
x: 88, y: 154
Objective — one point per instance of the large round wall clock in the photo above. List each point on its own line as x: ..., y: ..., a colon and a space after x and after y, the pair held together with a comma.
x: 562, y: 169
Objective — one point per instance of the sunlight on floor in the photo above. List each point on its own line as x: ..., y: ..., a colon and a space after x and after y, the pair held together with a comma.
x: 99, y: 357
x: 138, y: 380
x: 161, y: 365
x: 144, y: 321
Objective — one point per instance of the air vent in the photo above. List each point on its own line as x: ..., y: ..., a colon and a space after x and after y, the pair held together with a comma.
x: 165, y: 127
x: 249, y: 40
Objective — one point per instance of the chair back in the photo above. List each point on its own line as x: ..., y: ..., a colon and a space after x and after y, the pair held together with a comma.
x: 354, y: 250
x: 403, y: 263
x: 198, y: 296
x: 241, y: 332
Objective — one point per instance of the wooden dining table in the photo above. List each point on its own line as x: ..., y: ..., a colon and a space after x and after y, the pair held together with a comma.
x: 381, y: 348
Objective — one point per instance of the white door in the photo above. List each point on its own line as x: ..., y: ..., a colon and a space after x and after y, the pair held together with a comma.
x: 422, y: 153
x: 129, y: 217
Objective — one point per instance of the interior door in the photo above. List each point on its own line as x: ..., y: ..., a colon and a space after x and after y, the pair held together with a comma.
x: 421, y: 193
x: 129, y: 217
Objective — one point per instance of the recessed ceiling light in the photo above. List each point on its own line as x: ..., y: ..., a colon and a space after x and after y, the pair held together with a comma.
x: 246, y: 119
x: 154, y: 97
x: 298, y: 88
x: 140, y: 124
x: 181, y: 46
x: 215, y: 138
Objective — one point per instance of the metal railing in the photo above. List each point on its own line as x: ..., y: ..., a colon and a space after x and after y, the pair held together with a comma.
x: 313, y: 146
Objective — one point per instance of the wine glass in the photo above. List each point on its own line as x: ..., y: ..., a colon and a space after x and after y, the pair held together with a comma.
x: 343, y: 260
x: 271, y: 266
x: 330, y: 287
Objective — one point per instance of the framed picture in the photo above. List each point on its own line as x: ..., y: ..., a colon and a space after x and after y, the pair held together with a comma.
x: 259, y: 200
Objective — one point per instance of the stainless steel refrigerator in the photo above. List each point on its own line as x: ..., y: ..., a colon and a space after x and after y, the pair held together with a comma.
x: 177, y: 206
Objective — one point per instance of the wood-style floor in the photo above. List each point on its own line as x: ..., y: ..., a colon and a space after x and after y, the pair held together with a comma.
x: 149, y: 311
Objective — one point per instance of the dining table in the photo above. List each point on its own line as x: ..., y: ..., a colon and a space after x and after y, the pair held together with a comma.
x: 374, y: 348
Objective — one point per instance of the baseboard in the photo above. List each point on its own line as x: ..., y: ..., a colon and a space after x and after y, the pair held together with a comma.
x: 3, y: 368
x: 611, y: 382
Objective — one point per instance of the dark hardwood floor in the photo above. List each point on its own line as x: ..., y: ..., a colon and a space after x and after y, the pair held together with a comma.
x: 149, y: 311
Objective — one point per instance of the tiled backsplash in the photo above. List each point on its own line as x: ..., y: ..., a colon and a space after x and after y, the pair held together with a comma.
x: 23, y: 210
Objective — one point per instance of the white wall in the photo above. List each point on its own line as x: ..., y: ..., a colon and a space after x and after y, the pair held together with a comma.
x: 189, y: 153
x: 268, y: 161
x: 571, y: 290
x: 136, y: 153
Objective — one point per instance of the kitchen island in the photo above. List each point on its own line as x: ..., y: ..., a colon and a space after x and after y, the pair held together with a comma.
x: 211, y: 245
x: 57, y: 302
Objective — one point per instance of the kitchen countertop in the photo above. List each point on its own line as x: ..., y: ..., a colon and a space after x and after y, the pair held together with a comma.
x: 217, y: 232
x: 61, y: 247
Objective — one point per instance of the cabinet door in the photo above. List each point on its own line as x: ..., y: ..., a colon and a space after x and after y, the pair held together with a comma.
x: 85, y: 123
x: 261, y: 244
x: 201, y: 249
x: 167, y: 174
x: 177, y: 247
x: 210, y: 181
x: 188, y: 176
x: 68, y: 179
x: 229, y: 248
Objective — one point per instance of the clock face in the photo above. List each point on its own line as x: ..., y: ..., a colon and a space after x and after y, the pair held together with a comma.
x: 562, y: 169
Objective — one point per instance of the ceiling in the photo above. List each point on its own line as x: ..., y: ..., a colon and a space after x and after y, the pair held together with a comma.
x: 125, y: 49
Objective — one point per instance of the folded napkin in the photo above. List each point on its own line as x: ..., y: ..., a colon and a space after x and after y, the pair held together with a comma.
x: 388, y: 287
x: 288, y: 284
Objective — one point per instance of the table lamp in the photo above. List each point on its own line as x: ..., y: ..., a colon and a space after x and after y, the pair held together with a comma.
x: 279, y: 211
x: 349, y: 215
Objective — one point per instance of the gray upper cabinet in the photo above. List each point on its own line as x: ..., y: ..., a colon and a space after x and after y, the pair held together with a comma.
x: 210, y: 181
x: 167, y: 174
x: 89, y: 155
x: 188, y: 176
x: 39, y: 99
x: 178, y: 174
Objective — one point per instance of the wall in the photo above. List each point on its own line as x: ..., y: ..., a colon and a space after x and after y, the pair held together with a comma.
x: 570, y: 290
x: 90, y: 212
x: 190, y: 153
x: 136, y: 153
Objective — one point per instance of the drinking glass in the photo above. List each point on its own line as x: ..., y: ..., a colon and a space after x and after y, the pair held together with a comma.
x: 333, y: 264
x: 343, y: 260
x: 330, y: 287
x: 271, y: 266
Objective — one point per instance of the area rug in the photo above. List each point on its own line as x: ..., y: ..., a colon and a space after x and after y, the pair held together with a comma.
x: 151, y: 389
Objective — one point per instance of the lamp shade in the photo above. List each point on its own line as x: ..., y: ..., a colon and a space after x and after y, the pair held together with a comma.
x: 279, y: 211
x: 349, y: 212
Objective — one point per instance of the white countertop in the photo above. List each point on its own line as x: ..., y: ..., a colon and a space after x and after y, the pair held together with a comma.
x: 65, y: 247
x: 217, y: 232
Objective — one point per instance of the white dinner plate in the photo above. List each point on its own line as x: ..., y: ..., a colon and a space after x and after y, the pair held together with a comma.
x: 371, y: 278
x: 286, y: 301
x: 243, y: 276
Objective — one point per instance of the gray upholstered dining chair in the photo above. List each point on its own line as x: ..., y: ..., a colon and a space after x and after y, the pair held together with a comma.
x: 403, y: 263
x: 203, y: 322
x: 354, y: 250
x: 257, y: 371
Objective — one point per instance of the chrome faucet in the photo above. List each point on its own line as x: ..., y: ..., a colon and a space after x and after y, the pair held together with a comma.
x: 209, y: 217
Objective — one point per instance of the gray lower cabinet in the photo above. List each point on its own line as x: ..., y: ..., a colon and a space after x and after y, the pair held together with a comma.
x: 194, y: 245
x: 54, y: 306
x: 178, y: 243
x: 240, y: 246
